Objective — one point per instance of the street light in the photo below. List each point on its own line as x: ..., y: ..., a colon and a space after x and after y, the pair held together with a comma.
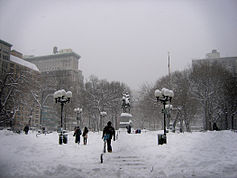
x: 62, y: 97
x: 102, y: 114
x: 78, y: 112
x: 164, y: 96
x: 168, y: 108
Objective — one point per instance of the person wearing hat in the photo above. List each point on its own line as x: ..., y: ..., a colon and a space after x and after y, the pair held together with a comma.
x: 108, y: 134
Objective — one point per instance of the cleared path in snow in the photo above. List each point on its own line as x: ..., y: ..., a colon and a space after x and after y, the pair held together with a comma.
x: 124, y: 159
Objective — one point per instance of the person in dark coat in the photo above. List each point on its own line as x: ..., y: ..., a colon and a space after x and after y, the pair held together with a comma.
x: 85, y: 135
x: 215, y: 126
x: 128, y: 128
x: 77, y: 134
x: 26, y: 129
x: 108, y: 134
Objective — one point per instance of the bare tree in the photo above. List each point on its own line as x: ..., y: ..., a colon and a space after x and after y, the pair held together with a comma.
x: 16, y: 90
x: 184, y: 100
x: 209, y: 82
x: 101, y: 95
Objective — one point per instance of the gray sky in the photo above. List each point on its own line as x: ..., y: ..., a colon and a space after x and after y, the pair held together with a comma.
x: 122, y: 40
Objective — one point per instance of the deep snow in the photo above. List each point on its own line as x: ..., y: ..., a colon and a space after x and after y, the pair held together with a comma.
x: 197, y: 154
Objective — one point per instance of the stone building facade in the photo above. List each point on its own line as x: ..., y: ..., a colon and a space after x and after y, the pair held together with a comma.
x: 18, y: 105
x: 5, y: 50
x: 59, y: 70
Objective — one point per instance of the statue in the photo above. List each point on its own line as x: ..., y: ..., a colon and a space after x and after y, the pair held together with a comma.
x: 126, y: 103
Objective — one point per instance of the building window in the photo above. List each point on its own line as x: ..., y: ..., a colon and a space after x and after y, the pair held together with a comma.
x: 5, y: 57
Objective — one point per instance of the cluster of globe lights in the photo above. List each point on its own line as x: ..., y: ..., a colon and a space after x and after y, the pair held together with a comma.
x: 164, y: 93
x: 79, y: 110
x: 103, y: 113
x: 62, y: 96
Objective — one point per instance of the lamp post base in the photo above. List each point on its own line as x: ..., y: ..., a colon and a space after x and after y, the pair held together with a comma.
x: 162, y: 139
x: 60, y: 140
x: 63, y: 137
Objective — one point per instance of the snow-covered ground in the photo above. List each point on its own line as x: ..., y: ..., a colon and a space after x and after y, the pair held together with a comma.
x: 197, y: 154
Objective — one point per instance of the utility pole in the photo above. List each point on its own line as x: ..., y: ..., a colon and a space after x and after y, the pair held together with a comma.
x: 169, y: 69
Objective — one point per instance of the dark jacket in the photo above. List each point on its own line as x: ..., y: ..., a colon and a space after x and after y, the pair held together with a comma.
x: 77, y: 132
x: 26, y: 129
x: 109, y: 131
x: 85, y: 131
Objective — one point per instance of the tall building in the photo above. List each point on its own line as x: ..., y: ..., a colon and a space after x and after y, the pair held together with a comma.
x: 230, y: 63
x: 63, y: 65
x: 18, y: 105
x: 59, y: 70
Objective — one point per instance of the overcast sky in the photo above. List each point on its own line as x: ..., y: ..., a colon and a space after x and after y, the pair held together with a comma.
x: 122, y: 40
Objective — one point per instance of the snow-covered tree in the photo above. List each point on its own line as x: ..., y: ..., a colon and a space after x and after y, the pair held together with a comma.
x: 184, y: 103
x: 17, y: 92
x: 147, y: 110
x: 209, y: 84
x: 101, y: 95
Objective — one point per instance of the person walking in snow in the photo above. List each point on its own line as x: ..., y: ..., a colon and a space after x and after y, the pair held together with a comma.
x: 128, y: 129
x: 108, y: 134
x: 26, y: 129
x: 77, y: 134
x: 85, y: 135
x: 215, y: 126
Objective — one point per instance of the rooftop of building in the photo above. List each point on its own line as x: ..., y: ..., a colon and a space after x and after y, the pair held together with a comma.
x: 219, y: 58
x: 70, y: 53
x: 215, y: 55
x: 5, y: 43
x: 24, y: 63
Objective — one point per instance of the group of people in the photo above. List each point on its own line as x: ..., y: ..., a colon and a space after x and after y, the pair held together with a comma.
x: 77, y: 134
x: 107, y: 136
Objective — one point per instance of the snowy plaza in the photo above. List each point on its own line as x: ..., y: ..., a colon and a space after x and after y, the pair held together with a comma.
x: 118, y: 89
x: 196, y: 154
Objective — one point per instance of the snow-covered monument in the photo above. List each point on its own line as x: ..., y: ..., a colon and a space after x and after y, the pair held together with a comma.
x: 125, y: 119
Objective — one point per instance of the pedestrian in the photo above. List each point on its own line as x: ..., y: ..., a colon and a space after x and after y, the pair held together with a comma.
x: 85, y: 135
x: 26, y: 129
x: 215, y: 126
x: 43, y: 130
x: 128, y: 129
x: 108, y: 133
x: 77, y: 134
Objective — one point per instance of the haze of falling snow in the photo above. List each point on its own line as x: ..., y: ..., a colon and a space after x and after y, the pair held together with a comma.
x: 123, y: 40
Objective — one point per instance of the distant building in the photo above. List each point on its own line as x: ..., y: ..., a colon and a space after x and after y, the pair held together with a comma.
x: 59, y: 70
x: 213, y: 55
x: 230, y: 63
x: 5, y: 49
x: 30, y: 114
x: 10, y: 62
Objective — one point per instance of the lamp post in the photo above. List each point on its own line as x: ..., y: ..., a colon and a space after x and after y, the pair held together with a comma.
x: 78, y: 112
x: 168, y: 108
x: 164, y: 96
x: 62, y: 97
x: 102, y: 114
